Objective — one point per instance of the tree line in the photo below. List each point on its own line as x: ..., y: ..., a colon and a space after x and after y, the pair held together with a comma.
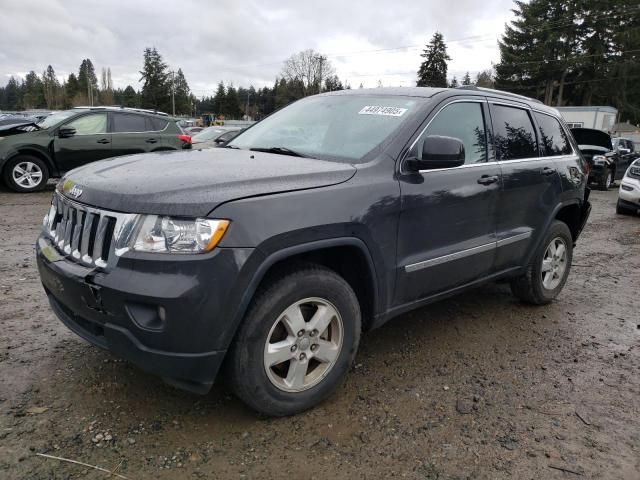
x: 561, y: 52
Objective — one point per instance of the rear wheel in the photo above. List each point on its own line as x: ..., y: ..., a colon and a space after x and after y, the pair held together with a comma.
x: 26, y: 173
x: 296, y: 343
x: 606, y: 180
x: 547, y: 273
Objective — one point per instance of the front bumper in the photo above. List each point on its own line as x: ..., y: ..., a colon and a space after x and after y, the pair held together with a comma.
x: 164, y: 314
x: 629, y: 191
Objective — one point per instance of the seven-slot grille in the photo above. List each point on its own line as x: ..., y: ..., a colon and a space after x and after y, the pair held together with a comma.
x: 86, y: 234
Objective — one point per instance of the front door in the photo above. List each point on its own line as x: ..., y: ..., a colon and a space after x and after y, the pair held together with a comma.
x: 89, y: 143
x: 447, y: 228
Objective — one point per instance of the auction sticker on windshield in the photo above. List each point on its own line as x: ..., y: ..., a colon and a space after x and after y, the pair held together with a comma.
x: 380, y: 110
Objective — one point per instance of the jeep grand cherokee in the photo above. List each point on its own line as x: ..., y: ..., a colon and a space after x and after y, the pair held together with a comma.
x: 268, y: 258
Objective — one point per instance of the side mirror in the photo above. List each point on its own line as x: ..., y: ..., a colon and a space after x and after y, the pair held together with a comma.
x: 66, y: 131
x: 438, y: 152
x: 623, y: 150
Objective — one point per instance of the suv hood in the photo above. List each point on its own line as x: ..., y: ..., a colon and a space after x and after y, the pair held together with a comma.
x: 194, y: 182
x: 17, y: 127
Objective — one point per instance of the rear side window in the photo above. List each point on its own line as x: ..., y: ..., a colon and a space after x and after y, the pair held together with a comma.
x: 464, y: 121
x: 157, y: 124
x: 552, y: 137
x: 123, y: 123
x: 513, y: 132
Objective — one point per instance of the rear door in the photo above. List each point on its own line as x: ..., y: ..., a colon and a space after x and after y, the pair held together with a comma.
x: 91, y: 142
x: 131, y: 133
x: 531, y: 183
x: 447, y: 227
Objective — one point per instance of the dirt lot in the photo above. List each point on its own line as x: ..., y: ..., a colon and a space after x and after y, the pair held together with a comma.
x: 479, y: 386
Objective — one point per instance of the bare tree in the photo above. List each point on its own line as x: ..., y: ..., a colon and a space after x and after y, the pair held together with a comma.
x: 310, y: 68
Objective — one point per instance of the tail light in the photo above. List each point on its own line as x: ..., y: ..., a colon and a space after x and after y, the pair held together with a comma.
x: 186, y: 140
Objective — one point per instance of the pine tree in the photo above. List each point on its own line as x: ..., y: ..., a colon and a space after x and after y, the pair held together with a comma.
x: 454, y: 82
x: 433, y: 70
x: 51, y: 88
x: 181, y: 93
x: 231, y: 105
x: 485, y: 79
x: 71, y: 90
x: 156, y: 89
x: 12, y: 94
x: 130, y: 97
x: 33, y: 92
x: 466, y: 80
x: 87, y: 82
x: 219, y: 100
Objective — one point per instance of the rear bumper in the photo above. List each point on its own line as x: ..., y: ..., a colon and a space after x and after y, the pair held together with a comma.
x: 159, y: 314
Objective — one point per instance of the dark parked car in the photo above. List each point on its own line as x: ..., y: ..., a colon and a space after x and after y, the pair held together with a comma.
x: 626, y: 149
x: 212, y: 137
x: 606, y: 163
x: 31, y: 153
x: 326, y: 219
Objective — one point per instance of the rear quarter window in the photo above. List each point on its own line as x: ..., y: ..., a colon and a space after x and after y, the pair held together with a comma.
x: 553, y: 138
x: 157, y: 124
x: 513, y: 132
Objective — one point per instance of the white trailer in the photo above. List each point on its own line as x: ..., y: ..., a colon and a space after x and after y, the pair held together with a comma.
x: 598, y: 117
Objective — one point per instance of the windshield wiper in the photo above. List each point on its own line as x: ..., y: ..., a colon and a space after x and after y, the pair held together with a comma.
x: 231, y: 146
x: 280, y: 151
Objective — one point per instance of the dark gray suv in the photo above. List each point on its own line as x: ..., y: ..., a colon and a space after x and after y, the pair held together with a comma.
x: 268, y: 258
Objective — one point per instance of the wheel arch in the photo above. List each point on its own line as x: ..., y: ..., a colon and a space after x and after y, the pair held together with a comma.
x: 36, y: 153
x: 332, y: 253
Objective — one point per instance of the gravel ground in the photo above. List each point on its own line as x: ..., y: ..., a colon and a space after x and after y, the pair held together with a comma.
x: 478, y: 386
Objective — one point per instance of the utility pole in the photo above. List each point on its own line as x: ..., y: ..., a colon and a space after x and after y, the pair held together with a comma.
x: 320, y: 82
x: 173, y: 95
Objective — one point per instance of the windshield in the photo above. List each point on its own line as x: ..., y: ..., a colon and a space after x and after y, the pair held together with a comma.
x: 333, y: 127
x: 209, y: 134
x: 55, y: 118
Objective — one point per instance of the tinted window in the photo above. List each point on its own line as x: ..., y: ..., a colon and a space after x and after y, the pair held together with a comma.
x: 128, y: 123
x: 464, y: 121
x: 225, y: 137
x: 157, y: 124
x: 552, y: 136
x: 91, y: 124
x: 514, y: 136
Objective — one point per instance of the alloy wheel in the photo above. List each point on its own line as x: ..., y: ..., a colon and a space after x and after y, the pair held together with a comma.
x: 303, y: 344
x: 554, y: 263
x: 27, y: 174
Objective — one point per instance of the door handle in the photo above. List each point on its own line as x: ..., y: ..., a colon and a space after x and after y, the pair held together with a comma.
x: 487, y: 179
x: 548, y: 171
x: 151, y: 140
x: 104, y: 141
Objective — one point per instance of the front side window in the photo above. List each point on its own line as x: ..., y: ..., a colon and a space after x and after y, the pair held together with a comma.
x: 552, y: 137
x: 513, y: 132
x: 127, y: 123
x: 92, y: 124
x: 464, y: 121
x: 332, y: 127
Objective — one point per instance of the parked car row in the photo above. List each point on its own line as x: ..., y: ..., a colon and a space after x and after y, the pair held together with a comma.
x: 31, y: 153
x: 212, y: 137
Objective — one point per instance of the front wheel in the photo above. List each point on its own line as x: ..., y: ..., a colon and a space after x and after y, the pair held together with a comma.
x: 547, y: 273
x: 606, y: 180
x: 297, y: 342
x: 25, y: 173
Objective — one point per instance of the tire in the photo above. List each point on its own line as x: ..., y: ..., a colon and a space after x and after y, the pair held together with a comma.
x: 622, y: 210
x: 535, y: 286
x: 606, y: 180
x: 26, y: 173
x: 267, y: 389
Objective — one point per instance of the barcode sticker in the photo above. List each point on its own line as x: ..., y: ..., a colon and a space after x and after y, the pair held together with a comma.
x: 380, y: 110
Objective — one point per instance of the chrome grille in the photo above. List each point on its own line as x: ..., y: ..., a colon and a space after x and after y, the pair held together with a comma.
x: 88, y: 235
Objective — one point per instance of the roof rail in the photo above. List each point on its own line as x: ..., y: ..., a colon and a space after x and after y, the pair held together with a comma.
x: 119, y: 107
x: 500, y: 92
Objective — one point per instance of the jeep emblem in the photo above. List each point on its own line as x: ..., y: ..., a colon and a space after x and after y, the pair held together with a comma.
x: 75, y: 191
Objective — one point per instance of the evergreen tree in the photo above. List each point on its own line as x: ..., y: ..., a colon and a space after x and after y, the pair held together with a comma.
x: 181, y: 93
x: 33, y: 92
x: 12, y: 94
x: 332, y: 84
x: 87, y: 83
x: 219, y: 100
x: 433, y: 70
x: 51, y: 88
x: 454, y: 82
x: 71, y: 90
x: 485, y: 79
x: 466, y: 80
x: 130, y: 98
x: 231, y: 106
x: 156, y: 89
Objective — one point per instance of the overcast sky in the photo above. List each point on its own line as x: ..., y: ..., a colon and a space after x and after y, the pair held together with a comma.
x: 244, y: 41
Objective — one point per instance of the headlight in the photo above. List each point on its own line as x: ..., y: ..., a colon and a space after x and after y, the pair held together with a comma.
x: 599, y: 160
x: 177, y: 235
x: 634, y: 172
